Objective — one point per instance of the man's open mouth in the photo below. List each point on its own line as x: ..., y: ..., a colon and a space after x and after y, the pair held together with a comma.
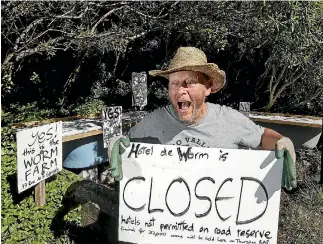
x: 183, y: 106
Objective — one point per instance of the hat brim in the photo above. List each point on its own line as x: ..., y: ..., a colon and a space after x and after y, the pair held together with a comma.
x: 211, y: 70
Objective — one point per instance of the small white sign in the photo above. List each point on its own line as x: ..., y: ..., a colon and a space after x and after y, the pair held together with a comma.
x: 139, y: 89
x: 112, y: 123
x: 173, y: 194
x: 244, y: 108
x: 39, y: 154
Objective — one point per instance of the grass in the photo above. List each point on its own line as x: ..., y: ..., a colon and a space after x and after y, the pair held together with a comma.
x: 301, y: 212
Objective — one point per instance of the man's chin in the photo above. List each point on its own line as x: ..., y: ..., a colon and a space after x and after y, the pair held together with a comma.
x: 186, y: 119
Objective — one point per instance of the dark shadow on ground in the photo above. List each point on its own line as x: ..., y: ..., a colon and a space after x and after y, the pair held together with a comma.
x: 104, y: 229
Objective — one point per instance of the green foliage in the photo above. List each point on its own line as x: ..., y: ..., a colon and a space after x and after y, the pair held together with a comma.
x: 35, y: 78
x: 17, y: 113
x: 273, y: 50
x: 89, y: 107
x: 22, y: 221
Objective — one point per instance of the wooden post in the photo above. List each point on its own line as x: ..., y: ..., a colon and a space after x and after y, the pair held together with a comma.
x: 40, y: 194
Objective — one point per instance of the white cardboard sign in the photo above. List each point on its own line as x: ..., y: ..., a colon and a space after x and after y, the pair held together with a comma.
x: 39, y: 154
x: 112, y: 123
x: 172, y: 194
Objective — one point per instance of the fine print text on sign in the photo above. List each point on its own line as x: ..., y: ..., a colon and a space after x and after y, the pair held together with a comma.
x: 244, y: 108
x: 176, y: 194
x: 112, y: 123
x: 39, y: 154
x: 139, y: 89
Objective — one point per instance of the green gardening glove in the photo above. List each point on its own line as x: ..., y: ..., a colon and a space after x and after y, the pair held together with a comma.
x: 285, y: 149
x: 116, y: 147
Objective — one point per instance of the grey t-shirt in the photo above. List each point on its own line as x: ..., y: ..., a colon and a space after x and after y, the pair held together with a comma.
x: 221, y: 127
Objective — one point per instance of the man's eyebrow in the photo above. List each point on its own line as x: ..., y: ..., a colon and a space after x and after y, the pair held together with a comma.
x: 173, y: 81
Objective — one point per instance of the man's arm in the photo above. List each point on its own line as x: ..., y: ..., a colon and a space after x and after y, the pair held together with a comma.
x: 269, y: 139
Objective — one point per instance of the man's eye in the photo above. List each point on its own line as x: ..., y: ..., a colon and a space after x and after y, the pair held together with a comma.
x: 191, y: 82
x: 174, y: 83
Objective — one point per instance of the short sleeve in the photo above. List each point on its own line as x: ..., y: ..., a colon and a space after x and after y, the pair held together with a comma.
x: 146, y: 130
x: 249, y: 134
x: 140, y: 129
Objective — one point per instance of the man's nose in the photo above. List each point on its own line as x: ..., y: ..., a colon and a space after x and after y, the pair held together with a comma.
x: 182, y: 90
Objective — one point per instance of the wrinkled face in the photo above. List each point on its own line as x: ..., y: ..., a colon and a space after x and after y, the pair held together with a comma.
x: 187, y: 91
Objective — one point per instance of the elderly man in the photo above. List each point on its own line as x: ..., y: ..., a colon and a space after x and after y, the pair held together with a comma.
x: 191, y: 121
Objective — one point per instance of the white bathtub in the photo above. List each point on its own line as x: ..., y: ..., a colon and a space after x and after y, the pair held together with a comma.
x: 304, y: 131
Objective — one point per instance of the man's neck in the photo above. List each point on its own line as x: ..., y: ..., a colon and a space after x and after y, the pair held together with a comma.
x: 202, y: 113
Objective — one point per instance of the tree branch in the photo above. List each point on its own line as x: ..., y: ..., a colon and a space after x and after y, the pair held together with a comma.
x: 116, y: 63
x: 282, y: 88
x: 318, y: 92
x: 23, y: 34
x: 131, y: 38
x: 35, y: 38
x: 29, y: 52
x: 272, y: 78
x: 280, y: 77
x: 159, y: 16
x: 65, y: 16
x: 7, y: 60
x: 63, y: 32
x: 39, y: 49
x: 296, y: 78
x: 146, y: 15
x: 105, y: 16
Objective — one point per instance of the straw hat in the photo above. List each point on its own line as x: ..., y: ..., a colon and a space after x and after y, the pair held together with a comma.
x: 193, y: 59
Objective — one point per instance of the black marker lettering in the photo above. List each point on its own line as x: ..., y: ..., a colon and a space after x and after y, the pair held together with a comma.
x: 52, y: 162
x: 156, y: 209
x: 124, y: 189
x: 49, y: 134
x: 33, y: 136
x: 182, y: 155
x: 45, y: 152
x: 36, y: 170
x: 203, y: 197
x: 44, y: 166
x: 180, y: 180
x: 52, y: 151
x: 41, y: 137
x: 133, y: 150
x: 266, y: 193
x: 222, y: 198
x: 27, y: 163
x: 33, y: 160
x: 26, y: 174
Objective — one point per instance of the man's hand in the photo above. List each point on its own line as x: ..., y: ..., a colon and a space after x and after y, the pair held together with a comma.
x: 285, y: 148
x: 115, y: 149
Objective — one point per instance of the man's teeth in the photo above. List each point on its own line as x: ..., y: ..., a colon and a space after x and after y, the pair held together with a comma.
x: 184, y: 105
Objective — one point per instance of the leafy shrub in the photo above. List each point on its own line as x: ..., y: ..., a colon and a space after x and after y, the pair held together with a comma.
x: 22, y: 221
x: 17, y: 113
x: 89, y: 107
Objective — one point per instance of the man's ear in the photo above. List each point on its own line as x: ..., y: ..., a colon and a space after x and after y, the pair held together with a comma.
x: 217, y: 87
x: 207, y: 91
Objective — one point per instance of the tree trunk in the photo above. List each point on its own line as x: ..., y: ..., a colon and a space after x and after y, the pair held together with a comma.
x: 270, y: 103
x: 71, y: 79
